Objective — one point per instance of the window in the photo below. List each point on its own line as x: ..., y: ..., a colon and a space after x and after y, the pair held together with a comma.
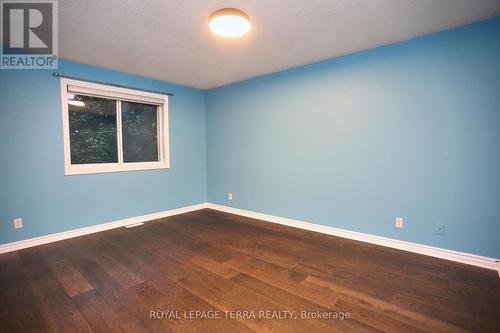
x: 110, y: 129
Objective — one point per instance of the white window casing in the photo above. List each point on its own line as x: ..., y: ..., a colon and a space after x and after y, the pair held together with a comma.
x: 119, y: 94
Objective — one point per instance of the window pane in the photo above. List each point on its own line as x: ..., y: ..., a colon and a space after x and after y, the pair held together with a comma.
x: 140, y: 132
x: 92, y: 128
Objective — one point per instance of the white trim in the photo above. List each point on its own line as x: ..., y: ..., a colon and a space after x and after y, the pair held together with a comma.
x: 113, y: 92
x: 461, y: 257
x: 119, y: 132
x: 14, y: 246
x: 119, y: 94
x: 133, y: 225
x: 83, y: 169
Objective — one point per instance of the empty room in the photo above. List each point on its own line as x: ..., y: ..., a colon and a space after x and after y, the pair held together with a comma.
x: 250, y: 166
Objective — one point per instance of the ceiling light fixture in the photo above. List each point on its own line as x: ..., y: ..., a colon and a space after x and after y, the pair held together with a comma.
x: 229, y: 23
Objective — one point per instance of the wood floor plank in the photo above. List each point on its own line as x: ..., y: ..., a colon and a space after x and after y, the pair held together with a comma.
x: 414, y: 318
x: 214, y: 262
x: 410, y: 293
x: 120, y: 273
x: 160, y: 292
x: 20, y: 307
x: 192, y: 278
x: 61, y: 313
x: 221, y: 269
x: 280, y: 278
x: 100, y: 317
x: 303, y: 305
x: 120, y: 299
x: 71, y: 279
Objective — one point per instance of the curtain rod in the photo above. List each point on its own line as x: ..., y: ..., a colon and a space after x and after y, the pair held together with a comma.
x: 57, y: 74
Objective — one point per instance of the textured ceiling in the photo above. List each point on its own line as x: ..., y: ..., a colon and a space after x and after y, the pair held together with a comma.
x: 169, y: 39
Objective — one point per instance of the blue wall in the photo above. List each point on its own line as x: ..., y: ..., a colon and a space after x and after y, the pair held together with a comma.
x: 33, y: 185
x: 411, y: 129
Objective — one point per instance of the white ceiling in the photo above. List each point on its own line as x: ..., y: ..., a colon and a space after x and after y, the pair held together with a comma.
x: 169, y: 39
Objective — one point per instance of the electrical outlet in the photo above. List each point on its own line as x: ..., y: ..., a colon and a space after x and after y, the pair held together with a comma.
x: 230, y: 196
x: 398, y: 223
x: 18, y: 223
x: 440, y: 229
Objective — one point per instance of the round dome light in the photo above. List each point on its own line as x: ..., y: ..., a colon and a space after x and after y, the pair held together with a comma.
x: 229, y: 23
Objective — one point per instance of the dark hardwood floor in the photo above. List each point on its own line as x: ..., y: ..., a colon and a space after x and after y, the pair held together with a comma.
x: 125, y: 280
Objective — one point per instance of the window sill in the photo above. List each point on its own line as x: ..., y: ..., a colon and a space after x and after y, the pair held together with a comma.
x: 113, y: 167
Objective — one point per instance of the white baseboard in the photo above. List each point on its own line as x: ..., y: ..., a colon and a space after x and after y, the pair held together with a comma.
x: 14, y: 246
x: 461, y: 257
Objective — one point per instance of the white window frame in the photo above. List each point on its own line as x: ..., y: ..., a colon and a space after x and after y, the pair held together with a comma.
x: 119, y: 94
